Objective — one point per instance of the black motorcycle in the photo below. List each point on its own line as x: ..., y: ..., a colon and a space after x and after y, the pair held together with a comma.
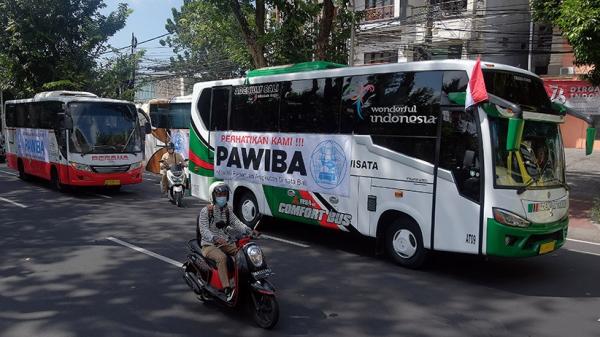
x: 249, y: 272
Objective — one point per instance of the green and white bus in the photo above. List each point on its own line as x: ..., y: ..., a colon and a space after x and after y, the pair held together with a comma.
x: 424, y: 172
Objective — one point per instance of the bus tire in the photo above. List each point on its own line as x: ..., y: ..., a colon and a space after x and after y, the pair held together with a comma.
x: 55, y: 180
x: 22, y: 175
x: 246, y: 208
x: 404, y: 244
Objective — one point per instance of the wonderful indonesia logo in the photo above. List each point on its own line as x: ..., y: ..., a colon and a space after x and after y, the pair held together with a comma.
x: 385, y: 114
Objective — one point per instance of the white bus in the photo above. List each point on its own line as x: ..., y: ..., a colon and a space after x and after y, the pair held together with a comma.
x: 424, y: 173
x: 74, y: 139
x: 170, y: 119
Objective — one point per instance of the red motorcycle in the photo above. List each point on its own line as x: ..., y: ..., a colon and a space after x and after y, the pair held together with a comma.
x: 249, y: 272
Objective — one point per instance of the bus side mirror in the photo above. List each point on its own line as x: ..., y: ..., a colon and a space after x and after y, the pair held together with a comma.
x: 147, y: 128
x: 590, y: 137
x: 64, y: 121
x: 515, y: 134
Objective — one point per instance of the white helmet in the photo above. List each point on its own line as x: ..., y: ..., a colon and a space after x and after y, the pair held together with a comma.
x: 217, y: 186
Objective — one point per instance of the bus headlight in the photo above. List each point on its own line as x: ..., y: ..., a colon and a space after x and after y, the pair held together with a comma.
x: 510, y: 219
x: 81, y: 167
x: 135, y: 166
x: 255, y: 255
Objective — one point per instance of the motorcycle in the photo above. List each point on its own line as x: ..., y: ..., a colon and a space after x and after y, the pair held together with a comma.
x: 248, y: 271
x: 176, y: 178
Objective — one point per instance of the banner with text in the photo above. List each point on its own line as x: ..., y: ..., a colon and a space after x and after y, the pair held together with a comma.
x: 33, y: 144
x: 317, y: 163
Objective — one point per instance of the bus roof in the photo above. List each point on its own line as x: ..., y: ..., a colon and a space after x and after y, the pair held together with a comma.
x: 294, y: 68
x: 67, y: 97
x: 465, y: 65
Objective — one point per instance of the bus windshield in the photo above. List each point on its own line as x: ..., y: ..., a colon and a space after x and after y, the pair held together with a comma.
x: 526, y: 91
x: 540, y: 160
x: 100, y: 127
x: 171, y: 115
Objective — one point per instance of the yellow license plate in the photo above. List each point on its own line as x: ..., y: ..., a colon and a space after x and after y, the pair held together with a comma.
x: 547, y: 247
x: 112, y: 182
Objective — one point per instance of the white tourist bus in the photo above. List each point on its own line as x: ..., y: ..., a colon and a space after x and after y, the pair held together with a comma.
x: 74, y: 139
x: 424, y: 173
x: 170, y: 119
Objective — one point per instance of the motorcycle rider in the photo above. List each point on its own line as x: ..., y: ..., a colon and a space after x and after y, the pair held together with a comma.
x: 169, y: 159
x: 213, y: 220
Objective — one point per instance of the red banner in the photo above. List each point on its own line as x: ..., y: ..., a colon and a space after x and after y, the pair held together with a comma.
x: 576, y: 94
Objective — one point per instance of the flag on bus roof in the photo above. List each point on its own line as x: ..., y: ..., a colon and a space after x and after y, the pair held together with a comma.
x: 476, y: 91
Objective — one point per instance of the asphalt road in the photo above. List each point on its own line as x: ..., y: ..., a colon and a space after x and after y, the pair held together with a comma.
x: 61, y: 276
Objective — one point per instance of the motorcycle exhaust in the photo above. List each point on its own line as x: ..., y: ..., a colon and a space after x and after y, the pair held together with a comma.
x: 193, y: 282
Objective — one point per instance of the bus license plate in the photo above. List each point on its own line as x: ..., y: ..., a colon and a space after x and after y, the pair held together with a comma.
x: 112, y: 182
x: 547, y: 247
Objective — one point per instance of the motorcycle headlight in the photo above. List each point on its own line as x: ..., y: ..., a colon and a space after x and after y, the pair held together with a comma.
x: 135, y: 166
x: 81, y: 167
x: 510, y: 219
x: 255, y: 255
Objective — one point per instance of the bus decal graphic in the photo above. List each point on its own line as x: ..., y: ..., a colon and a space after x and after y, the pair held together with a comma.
x: 359, y: 98
x: 328, y: 164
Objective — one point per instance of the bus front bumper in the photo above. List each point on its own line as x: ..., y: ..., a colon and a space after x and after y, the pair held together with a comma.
x: 537, y: 239
x: 84, y: 178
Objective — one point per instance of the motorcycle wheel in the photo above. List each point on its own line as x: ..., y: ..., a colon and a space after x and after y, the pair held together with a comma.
x: 265, y: 310
x: 179, y: 199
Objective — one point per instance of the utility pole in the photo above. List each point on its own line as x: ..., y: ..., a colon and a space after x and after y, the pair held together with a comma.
x: 429, y: 30
x: 530, y: 57
x: 352, y: 35
x: 133, y: 63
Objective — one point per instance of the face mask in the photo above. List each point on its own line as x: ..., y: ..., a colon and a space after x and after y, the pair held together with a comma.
x: 221, y: 201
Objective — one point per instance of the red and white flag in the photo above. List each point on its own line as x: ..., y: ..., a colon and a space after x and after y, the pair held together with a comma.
x: 476, y: 91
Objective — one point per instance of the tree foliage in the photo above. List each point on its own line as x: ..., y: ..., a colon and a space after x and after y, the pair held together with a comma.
x: 225, y: 36
x: 54, y: 43
x: 114, y: 78
x: 579, y: 21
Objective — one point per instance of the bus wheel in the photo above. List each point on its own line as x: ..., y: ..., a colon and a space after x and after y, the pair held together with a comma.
x: 246, y: 209
x: 22, y: 175
x: 55, y: 181
x: 404, y: 244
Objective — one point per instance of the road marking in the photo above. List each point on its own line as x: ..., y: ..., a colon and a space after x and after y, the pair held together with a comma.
x: 285, y: 241
x: 583, y: 252
x: 581, y: 241
x: 12, y: 174
x: 145, y: 251
x: 13, y: 202
x: 102, y: 196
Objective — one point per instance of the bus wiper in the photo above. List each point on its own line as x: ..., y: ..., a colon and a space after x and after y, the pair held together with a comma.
x: 523, y: 188
x: 128, y: 140
x: 99, y: 147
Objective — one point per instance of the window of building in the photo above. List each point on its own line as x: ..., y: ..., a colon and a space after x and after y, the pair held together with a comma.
x: 386, y: 56
x: 311, y: 106
x: 378, y: 10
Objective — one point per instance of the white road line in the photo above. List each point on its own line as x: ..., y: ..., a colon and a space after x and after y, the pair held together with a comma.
x: 284, y: 241
x: 583, y: 252
x: 145, y: 251
x: 13, y: 202
x: 102, y: 196
x: 10, y: 173
x: 587, y: 242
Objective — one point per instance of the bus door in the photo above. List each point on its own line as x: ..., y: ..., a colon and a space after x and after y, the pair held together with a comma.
x: 458, y: 183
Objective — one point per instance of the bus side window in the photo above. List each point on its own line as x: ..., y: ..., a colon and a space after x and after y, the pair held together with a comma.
x: 219, y: 109
x: 21, y: 116
x: 255, y: 108
x: 11, y: 118
x: 203, y: 106
x: 311, y: 106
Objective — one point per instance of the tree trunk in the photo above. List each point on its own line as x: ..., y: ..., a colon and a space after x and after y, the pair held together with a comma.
x: 255, y: 48
x: 324, y: 30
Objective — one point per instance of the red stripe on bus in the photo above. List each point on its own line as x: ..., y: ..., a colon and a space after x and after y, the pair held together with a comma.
x: 196, y: 160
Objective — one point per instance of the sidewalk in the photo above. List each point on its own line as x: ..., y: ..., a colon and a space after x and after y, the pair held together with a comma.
x: 583, y: 176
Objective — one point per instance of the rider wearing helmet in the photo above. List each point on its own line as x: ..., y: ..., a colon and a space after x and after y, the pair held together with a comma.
x: 169, y: 159
x: 215, y: 223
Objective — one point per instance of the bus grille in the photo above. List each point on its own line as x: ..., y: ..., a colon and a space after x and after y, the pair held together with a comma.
x: 111, y: 169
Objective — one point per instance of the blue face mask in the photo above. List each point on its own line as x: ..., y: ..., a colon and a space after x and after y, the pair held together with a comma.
x: 221, y: 201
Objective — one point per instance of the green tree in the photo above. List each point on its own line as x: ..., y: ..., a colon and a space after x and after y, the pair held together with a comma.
x: 55, y: 43
x: 579, y: 22
x: 217, y: 34
x: 114, y: 78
